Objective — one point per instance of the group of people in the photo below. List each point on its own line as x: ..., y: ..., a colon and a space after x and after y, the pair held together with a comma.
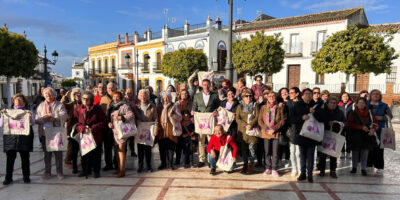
x: 279, y: 117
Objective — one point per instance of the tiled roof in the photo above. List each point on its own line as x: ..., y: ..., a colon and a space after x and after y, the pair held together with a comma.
x: 263, y: 17
x: 381, y: 28
x: 302, y: 19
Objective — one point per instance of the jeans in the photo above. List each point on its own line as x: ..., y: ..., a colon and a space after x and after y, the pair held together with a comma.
x: 248, y: 152
x: 360, y: 156
x: 295, y: 157
x: 307, y: 159
x: 213, y: 161
x: 271, y: 153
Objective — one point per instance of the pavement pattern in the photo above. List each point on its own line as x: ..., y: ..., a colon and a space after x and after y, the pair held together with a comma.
x: 197, y: 183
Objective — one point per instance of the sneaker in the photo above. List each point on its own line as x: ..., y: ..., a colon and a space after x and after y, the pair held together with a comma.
x: 60, y: 176
x: 275, y: 173
x: 267, y: 172
x: 294, y: 173
x: 379, y: 171
x: 46, y: 176
x: 364, y: 172
x: 302, y: 177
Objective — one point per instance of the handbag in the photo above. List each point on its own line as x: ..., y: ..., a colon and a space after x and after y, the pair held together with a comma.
x: 313, y: 129
x: 388, y: 136
x: 87, y: 143
x: 56, y: 139
x: 125, y: 129
x: 16, y: 122
x: 333, y: 142
x: 225, y: 159
x: 255, y: 131
x: 204, y: 123
x: 145, y: 133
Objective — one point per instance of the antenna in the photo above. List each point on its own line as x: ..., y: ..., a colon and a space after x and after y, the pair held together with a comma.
x: 165, y: 11
x: 259, y: 12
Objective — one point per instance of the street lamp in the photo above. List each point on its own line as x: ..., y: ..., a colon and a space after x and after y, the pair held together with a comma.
x: 128, y: 58
x: 229, y: 68
x: 137, y: 70
x: 46, y: 61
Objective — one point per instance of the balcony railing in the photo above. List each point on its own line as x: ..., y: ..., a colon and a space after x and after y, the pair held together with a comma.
x: 94, y: 72
x: 175, y: 32
x: 145, y: 68
x: 125, y: 66
x: 141, y: 39
x: 295, y: 49
x: 315, y: 47
x: 156, y: 67
x: 156, y: 35
x: 198, y: 28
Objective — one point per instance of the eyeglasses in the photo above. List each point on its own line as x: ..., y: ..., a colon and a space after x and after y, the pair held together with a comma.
x: 247, y: 96
x: 316, y: 93
x: 85, y: 98
x: 271, y: 96
x: 258, y: 80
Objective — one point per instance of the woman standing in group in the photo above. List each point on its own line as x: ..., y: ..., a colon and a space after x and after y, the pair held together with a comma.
x: 247, y: 118
x: 184, y: 103
x: 284, y: 148
x: 166, y: 139
x: 294, y: 95
x: 361, y: 130
x: 346, y: 106
x: 230, y: 104
x: 240, y: 88
x: 271, y: 119
x: 18, y: 143
x: 383, y: 114
x: 119, y: 111
x: 50, y: 113
x: 71, y: 156
x: 90, y: 119
x: 328, y: 114
x: 307, y: 146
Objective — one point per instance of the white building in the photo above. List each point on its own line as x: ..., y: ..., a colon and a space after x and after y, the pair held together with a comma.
x: 79, y: 72
x: 303, y: 37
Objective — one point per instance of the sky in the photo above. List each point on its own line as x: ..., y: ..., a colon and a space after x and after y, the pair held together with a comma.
x: 71, y: 26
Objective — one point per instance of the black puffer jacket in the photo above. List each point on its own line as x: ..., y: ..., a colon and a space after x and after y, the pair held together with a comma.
x: 19, y: 142
x: 326, y: 116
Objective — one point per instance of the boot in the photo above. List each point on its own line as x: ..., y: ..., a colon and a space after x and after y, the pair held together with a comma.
x: 74, y: 166
x: 250, y: 170
x: 244, y: 169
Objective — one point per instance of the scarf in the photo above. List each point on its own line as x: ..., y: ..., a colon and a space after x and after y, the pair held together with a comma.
x: 19, y: 107
x: 164, y: 115
x: 49, y: 107
x: 248, y: 107
x: 270, y: 116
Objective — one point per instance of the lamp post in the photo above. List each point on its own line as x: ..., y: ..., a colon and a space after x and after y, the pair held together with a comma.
x: 229, y: 68
x: 137, y: 70
x: 128, y: 58
x: 46, y: 61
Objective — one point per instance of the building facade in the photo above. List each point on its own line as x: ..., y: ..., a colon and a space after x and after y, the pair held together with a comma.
x: 103, y: 63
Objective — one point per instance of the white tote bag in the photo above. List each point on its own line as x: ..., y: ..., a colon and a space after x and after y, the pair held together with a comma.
x: 225, y: 160
x: 313, y: 129
x: 87, y: 143
x: 255, y: 131
x: 332, y: 143
x: 204, y: 123
x: 16, y: 122
x: 225, y: 118
x: 176, y: 127
x: 388, y: 136
x: 205, y: 75
x: 125, y: 129
x: 56, y: 139
x: 145, y: 133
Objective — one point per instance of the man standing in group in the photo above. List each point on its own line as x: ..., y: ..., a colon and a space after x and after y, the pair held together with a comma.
x: 108, y: 142
x: 205, y: 102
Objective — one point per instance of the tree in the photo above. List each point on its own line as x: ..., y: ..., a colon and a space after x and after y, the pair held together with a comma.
x: 182, y: 63
x: 68, y: 83
x: 18, y: 57
x: 354, y: 51
x: 260, y: 54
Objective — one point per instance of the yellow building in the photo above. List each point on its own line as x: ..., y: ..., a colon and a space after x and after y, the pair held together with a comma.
x: 103, y: 63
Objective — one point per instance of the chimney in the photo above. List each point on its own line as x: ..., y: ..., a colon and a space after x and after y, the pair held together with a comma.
x: 126, y: 38
x: 165, y: 32
x: 145, y: 35
x: 118, y: 38
x: 186, y: 27
x: 209, y: 21
x: 149, y: 35
x: 219, y: 23
x: 136, y: 37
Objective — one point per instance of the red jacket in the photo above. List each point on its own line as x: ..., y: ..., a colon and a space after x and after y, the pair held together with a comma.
x: 216, y: 143
x: 96, y: 100
x: 93, y: 117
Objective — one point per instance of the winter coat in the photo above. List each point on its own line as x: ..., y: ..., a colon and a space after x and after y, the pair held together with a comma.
x: 296, y: 121
x: 280, y: 121
x: 166, y: 127
x: 241, y: 120
x: 93, y: 117
x: 19, y: 142
x: 127, y: 116
x: 217, y: 142
x: 232, y: 131
x: 325, y: 115
x: 358, y: 138
x: 58, y: 112
x: 381, y: 109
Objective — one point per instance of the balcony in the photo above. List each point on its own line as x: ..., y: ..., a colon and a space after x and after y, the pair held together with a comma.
x: 315, y: 47
x: 96, y: 72
x: 293, y: 50
x: 145, y: 68
x: 125, y: 66
x: 156, y: 67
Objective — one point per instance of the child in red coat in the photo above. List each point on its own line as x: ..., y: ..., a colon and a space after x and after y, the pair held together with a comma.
x: 218, y: 140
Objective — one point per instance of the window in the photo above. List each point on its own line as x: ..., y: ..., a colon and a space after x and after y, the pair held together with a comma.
x: 93, y: 67
x: 123, y: 84
x: 294, y: 44
x: 221, y: 55
x: 113, y: 65
x: 106, y: 66
x: 77, y: 73
x: 158, y: 64
x: 145, y: 62
x: 143, y: 83
x: 391, y: 78
x: 126, y: 61
x: 99, y: 66
x: 269, y: 79
x: 320, y: 39
x: 320, y: 79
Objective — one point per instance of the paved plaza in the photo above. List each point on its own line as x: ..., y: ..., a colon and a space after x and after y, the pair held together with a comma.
x: 197, y: 183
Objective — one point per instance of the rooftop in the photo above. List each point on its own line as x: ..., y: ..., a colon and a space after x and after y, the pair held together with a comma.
x: 380, y: 28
